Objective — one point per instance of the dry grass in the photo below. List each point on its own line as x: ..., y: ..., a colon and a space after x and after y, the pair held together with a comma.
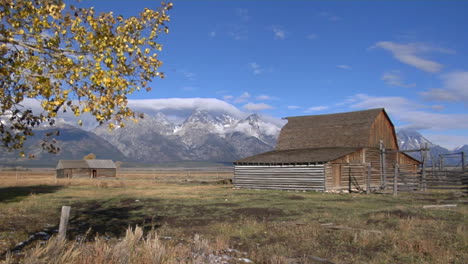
x: 134, y: 247
x: 269, y: 226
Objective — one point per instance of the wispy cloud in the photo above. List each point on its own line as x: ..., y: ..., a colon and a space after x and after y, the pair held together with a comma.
x: 238, y: 29
x: 410, y: 54
x: 329, y: 16
x: 228, y: 97
x: 256, y: 69
x: 393, y: 78
x: 448, y: 141
x: 257, y: 107
x: 212, y: 34
x: 279, y: 32
x: 242, y: 98
x: 264, y: 97
x: 412, y: 114
x: 187, y: 74
x: 344, y: 67
x: 243, y: 14
x: 292, y: 107
x: 455, y: 88
x: 189, y: 88
x: 316, y: 109
x: 312, y: 36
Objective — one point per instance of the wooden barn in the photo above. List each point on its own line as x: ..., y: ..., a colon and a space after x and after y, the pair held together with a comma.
x: 330, y: 152
x: 85, y: 168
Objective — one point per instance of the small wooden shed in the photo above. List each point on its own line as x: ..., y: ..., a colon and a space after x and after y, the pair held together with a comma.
x: 327, y: 152
x: 85, y: 168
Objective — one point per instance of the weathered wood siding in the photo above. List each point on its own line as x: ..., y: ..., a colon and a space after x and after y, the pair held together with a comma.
x: 285, y: 177
x: 85, y: 173
x: 382, y: 129
x: 106, y: 173
x: 338, y: 171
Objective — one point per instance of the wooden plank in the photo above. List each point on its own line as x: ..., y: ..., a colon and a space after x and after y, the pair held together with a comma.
x: 304, y: 177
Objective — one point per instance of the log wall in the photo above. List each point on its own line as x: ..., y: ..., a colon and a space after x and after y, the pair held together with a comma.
x: 284, y: 177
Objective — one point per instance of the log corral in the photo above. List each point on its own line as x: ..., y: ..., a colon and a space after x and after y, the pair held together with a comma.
x: 347, y: 151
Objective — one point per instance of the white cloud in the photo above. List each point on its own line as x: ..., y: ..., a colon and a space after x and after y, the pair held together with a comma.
x: 279, y: 32
x: 238, y: 29
x: 292, y: 107
x: 411, y: 114
x: 189, y: 88
x: 257, y: 107
x: 187, y: 74
x: 344, y: 67
x: 228, y: 97
x: 455, y: 88
x: 330, y: 16
x: 242, y: 98
x: 243, y: 14
x: 448, y: 141
x: 410, y: 54
x: 256, y: 69
x: 264, y: 97
x: 316, y: 108
x: 393, y: 78
x: 182, y: 105
x: 312, y: 36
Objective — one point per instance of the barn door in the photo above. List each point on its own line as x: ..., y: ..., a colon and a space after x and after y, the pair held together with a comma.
x: 336, y: 175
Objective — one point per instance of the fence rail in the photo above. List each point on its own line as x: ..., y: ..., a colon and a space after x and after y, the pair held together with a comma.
x: 432, y: 180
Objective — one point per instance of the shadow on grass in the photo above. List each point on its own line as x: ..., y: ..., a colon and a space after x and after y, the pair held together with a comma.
x: 112, y: 218
x: 96, y: 218
x: 15, y: 194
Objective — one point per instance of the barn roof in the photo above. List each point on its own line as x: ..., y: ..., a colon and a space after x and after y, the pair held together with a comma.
x: 351, y: 129
x: 85, y: 164
x: 289, y: 156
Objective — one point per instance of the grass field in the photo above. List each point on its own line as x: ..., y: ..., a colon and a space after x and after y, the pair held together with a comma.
x: 189, y: 216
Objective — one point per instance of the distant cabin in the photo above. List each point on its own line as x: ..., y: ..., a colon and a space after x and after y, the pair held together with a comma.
x: 327, y: 152
x: 85, y: 168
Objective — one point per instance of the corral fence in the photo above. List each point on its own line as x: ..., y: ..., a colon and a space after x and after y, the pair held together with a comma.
x: 423, y: 180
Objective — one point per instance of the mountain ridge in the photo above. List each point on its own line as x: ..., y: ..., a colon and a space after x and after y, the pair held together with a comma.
x: 201, y: 136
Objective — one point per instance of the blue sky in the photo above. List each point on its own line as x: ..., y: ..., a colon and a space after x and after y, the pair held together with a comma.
x: 288, y: 58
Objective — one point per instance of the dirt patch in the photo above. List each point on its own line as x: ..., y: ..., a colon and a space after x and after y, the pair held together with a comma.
x: 295, y: 197
x: 260, y: 213
x: 224, y: 204
x: 402, y: 214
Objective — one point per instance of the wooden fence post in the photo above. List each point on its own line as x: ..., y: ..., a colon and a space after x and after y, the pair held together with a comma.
x: 64, y: 222
x: 16, y: 174
x: 423, y: 175
x: 395, y: 181
x: 463, y: 160
x: 369, y: 171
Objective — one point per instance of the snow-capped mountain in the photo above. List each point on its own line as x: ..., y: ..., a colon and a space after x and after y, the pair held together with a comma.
x: 202, y: 136
x: 411, y: 139
x: 462, y: 148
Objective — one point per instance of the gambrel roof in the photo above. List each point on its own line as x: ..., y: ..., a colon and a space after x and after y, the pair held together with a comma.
x: 85, y: 164
x: 351, y: 129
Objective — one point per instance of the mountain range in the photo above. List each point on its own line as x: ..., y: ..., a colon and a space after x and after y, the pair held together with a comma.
x: 202, y: 136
